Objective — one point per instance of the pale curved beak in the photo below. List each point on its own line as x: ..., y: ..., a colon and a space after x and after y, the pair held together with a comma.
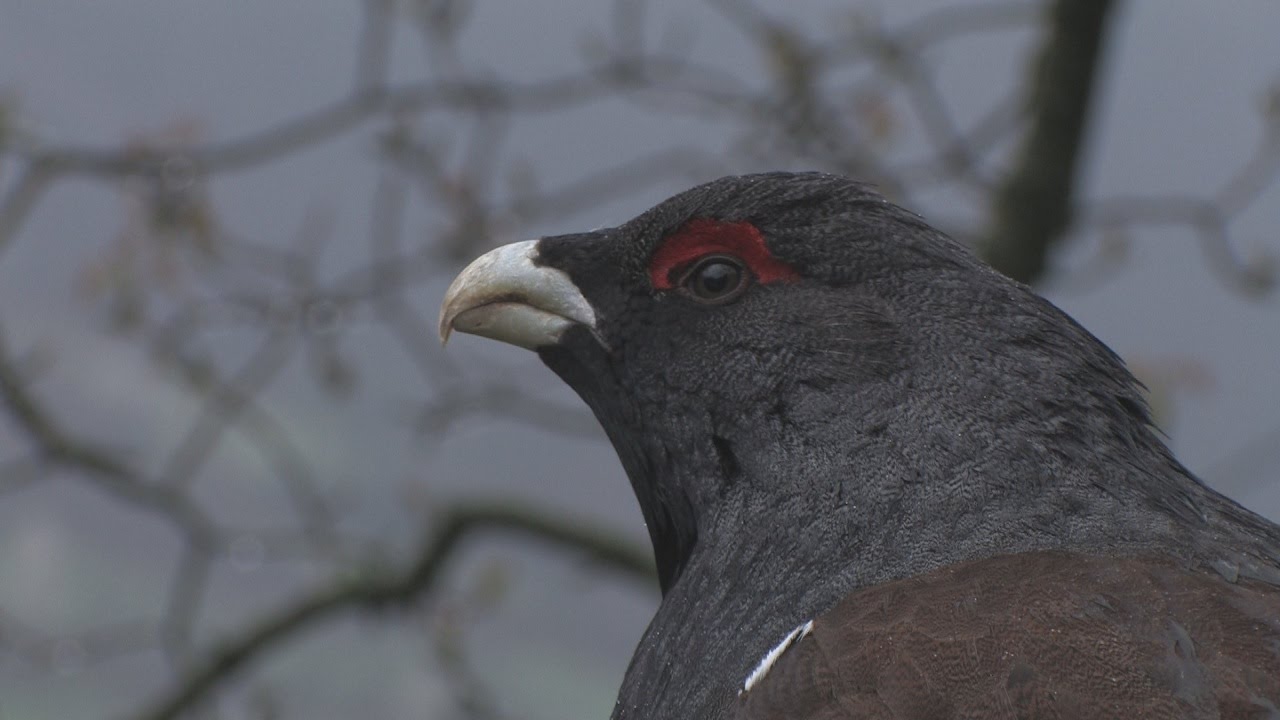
x: 505, y: 295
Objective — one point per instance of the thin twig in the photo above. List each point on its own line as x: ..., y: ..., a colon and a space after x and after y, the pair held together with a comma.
x: 382, y: 592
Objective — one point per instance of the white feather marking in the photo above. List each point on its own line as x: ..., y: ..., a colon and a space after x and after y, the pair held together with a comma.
x: 772, y: 656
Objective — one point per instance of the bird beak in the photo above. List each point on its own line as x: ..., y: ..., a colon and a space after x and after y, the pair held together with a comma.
x: 505, y: 295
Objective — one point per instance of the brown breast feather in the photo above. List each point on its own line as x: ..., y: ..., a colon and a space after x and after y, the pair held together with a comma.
x: 1037, y: 635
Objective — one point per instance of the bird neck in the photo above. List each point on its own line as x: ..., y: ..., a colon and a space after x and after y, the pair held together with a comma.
x: 731, y: 604
x: 764, y: 522
x: 803, y: 524
x: 928, y: 476
x: 928, y: 470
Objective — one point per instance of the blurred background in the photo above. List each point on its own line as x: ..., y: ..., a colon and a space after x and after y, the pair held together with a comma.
x: 240, y: 479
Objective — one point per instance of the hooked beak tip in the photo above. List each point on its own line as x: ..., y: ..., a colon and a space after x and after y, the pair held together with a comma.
x: 506, y: 295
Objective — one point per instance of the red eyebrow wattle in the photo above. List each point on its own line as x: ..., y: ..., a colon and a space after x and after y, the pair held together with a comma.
x: 701, y: 236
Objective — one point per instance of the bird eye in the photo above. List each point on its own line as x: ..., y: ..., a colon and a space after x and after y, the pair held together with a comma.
x: 715, y: 279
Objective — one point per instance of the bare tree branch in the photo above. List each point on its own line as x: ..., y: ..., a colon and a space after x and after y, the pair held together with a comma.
x: 382, y: 592
x: 1034, y: 205
x: 100, y: 467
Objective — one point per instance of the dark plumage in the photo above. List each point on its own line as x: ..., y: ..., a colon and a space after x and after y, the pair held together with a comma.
x: 875, y: 431
x: 1037, y: 635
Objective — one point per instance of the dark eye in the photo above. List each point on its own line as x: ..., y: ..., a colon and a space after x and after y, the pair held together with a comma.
x: 715, y: 279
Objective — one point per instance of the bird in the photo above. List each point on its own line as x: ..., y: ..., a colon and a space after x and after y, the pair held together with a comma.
x: 882, y: 480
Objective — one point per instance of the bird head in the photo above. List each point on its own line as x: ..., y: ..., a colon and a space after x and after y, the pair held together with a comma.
x: 791, y: 351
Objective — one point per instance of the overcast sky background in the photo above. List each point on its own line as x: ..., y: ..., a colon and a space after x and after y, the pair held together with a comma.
x: 1180, y: 109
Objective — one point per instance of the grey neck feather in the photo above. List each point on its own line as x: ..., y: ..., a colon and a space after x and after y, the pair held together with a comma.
x: 817, y: 509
